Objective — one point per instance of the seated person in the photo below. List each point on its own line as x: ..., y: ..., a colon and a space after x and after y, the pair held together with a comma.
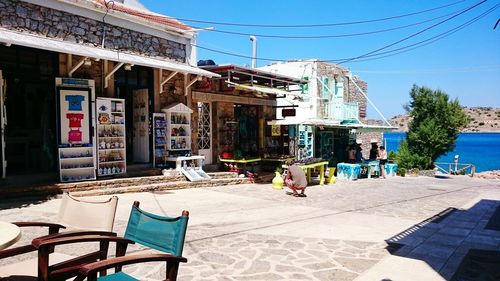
x: 295, y: 179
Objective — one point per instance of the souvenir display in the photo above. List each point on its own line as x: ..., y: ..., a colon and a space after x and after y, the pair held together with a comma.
x: 111, y: 136
x: 75, y: 139
x: 160, y: 140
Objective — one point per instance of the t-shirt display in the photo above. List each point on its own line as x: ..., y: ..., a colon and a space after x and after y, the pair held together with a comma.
x: 75, y: 102
x: 75, y: 120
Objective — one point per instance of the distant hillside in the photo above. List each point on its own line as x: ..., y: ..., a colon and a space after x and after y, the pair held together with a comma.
x: 483, y: 119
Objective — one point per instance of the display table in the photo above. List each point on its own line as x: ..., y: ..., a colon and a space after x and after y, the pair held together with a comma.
x: 273, y: 163
x: 9, y: 234
x: 309, y: 167
x: 182, y: 159
x: 372, y: 167
x: 244, y: 162
x: 390, y: 169
x: 349, y: 172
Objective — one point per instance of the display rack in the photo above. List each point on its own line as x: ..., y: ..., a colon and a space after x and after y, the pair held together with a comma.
x: 160, y: 130
x: 111, y: 137
x: 76, y: 132
x: 305, y: 142
x: 178, y: 118
x: 76, y: 163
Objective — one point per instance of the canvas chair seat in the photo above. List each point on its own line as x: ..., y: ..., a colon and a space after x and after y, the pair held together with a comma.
x: 28, y: 269
x: 74, y: 214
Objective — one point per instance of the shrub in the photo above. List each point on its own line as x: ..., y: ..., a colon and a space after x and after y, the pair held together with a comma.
x: 401, y: 171
x: 392, y: 156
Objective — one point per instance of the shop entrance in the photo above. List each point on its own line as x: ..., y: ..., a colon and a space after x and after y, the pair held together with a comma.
x: 247, y: 136
x: 136, y: 87
x: 28, y: 111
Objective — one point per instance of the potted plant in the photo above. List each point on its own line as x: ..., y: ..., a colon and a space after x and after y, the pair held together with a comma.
x: 401, y: 171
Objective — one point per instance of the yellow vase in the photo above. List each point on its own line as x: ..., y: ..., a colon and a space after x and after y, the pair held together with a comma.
x: 331, y: 178
x: 278, y: 181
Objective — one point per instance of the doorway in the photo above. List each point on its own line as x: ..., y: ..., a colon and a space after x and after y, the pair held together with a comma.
x: 247, y: 135
x: 205, y: 131
x: 28, y: 114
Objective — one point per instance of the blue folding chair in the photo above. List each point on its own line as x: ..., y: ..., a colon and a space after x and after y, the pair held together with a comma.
x: 165, y: 234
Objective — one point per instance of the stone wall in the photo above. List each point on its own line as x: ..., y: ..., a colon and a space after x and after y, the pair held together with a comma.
x: 26, y: 17
x: 354, y: 95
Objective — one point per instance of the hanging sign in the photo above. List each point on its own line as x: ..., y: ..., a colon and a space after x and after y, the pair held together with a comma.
x: 285, y: 112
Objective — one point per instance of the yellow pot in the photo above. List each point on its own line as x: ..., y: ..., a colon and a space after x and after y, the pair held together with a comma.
x: 278, y: 181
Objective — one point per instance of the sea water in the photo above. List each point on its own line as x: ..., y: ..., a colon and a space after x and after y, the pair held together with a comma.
x: 480, y: 149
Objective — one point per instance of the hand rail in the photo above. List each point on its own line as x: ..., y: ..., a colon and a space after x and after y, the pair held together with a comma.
x: 456, y: 168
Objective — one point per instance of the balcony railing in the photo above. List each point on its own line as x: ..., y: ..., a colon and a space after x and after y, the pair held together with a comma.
x: 340, y: 111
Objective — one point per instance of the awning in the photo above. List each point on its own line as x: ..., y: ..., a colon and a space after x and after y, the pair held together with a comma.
x: 330, y: 124
x: 39, y: 42
x: 261, y: 89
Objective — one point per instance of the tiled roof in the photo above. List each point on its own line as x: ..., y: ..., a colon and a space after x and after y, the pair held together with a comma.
x: 163, y: 20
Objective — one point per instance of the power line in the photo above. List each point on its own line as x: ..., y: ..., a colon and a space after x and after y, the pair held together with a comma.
x: 427, y: 71
x: 320, y: 24
x: 328, y: 36
x: 428, y: 41
x: 352, y: 58
x: 414, y: 34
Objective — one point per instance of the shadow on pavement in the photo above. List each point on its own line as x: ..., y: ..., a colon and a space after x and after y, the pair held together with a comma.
x: 457, y: 244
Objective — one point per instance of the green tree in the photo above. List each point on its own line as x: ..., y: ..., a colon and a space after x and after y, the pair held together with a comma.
x: 436, y: 123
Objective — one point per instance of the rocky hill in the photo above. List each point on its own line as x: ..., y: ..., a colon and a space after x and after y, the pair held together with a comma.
x: 482, y: 119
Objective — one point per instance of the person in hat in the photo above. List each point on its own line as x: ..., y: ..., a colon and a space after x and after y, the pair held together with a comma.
x: 359, y: 154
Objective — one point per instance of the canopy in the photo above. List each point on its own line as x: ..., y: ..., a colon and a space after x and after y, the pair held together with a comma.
x: 39, y: 42
x: 261, y: 89
x: 330, y: 124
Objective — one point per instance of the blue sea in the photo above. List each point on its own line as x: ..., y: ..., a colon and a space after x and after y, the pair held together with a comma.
x: 480, y: 149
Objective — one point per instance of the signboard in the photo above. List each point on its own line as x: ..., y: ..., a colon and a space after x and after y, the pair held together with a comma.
x: 275, y: 130
x: 285, y: 112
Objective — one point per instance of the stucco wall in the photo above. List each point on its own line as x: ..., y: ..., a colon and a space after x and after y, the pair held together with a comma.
x: 26, y: 17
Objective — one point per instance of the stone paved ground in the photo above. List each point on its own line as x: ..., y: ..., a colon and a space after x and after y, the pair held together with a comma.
x: 338, y: 232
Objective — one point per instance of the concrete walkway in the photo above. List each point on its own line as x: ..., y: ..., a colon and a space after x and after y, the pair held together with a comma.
x: 338, y: 232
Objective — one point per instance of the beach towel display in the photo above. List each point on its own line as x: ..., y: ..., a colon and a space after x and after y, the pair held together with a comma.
x: 348, y: 172
x: 390, y: 169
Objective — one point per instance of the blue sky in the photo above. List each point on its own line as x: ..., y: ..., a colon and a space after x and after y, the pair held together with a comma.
x: 465, y: 64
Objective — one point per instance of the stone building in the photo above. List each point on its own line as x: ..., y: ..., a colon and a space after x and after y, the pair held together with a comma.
x: 332, y: 108
x: 117, y: 48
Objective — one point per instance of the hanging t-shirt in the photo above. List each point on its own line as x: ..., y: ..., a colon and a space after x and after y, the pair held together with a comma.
x: 75, y: 102
x: 74, y: 136
x: 75, y: 119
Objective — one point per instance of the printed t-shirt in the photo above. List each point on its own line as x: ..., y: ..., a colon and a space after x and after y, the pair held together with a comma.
x: 74, y: 136
x: 75, y: 119
x: 75, y: 102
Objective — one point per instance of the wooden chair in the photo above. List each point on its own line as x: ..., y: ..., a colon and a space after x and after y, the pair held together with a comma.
x: 78, y: 215
x: 165, y: 234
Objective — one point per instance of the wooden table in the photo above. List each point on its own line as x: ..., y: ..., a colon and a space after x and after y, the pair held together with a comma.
x: 9, y: 234
x: 309, y: 167
x: 251, y: 161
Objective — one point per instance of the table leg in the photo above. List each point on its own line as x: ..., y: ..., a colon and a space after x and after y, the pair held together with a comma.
x: 370, y: 172
x: 309, y: 174
x: 321, y: 174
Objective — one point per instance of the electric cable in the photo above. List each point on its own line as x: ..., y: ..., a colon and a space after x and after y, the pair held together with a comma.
x: 414, y: 34
x: 334, y: 60
x: 329, y: 36
x: 433, y: 39
x: 321, y: 24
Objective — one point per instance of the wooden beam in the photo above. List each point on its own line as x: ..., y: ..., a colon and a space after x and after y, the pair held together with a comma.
x: 75, y: 68
x: 162, y: 83
x: 197, y: 78
x: 108, y: 76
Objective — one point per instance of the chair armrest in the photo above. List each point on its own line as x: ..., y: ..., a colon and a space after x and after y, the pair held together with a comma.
x: 40, y: 243
x: 76, y: 233
x: 95, y: 267
x: 53, y: 227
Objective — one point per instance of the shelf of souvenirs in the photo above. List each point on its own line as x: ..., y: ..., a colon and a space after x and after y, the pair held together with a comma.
x: 179, y: 119
x: 78, y: 177
x: 110, y: 170
x: 103, y: 145
x: 72, y: 154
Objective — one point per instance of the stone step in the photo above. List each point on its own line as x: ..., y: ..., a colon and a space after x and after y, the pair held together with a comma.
x: 163, y: 186
x: 119, y: 185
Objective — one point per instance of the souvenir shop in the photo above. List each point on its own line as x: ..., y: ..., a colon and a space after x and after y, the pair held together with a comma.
x: 241, y: 102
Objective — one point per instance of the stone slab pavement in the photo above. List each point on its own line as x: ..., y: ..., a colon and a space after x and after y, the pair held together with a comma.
x: 338, y: 232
